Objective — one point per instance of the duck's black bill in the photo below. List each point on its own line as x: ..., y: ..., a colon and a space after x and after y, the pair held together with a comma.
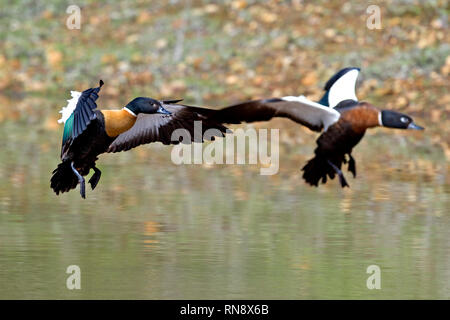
x: 413, y: 126
x: 162, y: 110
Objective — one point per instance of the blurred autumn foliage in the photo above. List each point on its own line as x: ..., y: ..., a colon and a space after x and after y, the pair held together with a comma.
x: 221, y: 52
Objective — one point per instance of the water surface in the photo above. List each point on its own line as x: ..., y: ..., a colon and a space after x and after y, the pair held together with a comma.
x: 154, y: 230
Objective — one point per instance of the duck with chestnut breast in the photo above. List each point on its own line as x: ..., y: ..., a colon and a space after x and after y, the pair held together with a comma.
x: 342, y: 118
x: 89, y: 132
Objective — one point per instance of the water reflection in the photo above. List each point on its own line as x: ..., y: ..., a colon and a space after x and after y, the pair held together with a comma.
x: 155, y: 230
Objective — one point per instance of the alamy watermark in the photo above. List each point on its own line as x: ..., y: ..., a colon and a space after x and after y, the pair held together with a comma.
x: 374, y: 19
x: 74, y: 280
x: 374, y: 281
x: 233, y: 149
x: 73, y: 21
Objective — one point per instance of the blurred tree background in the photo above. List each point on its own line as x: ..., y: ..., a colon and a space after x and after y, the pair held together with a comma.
x: 220, y: 52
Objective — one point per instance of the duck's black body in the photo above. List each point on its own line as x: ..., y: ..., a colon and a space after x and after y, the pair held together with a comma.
x: 82, y: 152
x: 92, y: 142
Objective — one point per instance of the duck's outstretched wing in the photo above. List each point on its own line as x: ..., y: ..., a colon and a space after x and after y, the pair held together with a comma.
x: 78, y: 113
x: 159, y: 128
x: 299, y: 109
x: 340, y: 87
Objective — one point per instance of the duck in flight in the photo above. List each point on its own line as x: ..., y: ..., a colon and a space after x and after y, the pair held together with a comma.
x: 339, y: 115
x: 89, y: 132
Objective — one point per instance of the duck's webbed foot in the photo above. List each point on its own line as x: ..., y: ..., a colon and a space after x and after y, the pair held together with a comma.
x: 80, y: 180
x: 340, y: 174
x: 95, y: 177
x: 352, y: 165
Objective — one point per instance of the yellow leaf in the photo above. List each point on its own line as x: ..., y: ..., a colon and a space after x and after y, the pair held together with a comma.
x: 310, y: 79
x: 54, y: 58
x: 239, y: 4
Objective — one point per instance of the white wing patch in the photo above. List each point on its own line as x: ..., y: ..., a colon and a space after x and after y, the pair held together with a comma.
x: 68, y: 110
x: 343, y: 88
x: 317, y: 114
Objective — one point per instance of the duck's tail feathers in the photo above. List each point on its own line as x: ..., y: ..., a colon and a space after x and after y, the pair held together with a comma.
x: 320, y: 168
x: 63, y: 178
x: 316, y: 170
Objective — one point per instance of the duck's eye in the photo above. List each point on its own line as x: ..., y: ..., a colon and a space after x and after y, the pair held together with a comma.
x: 404, y: 119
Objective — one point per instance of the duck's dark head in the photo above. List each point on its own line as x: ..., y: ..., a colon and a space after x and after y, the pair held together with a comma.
x: 145, y: 105
x: 393, y: 119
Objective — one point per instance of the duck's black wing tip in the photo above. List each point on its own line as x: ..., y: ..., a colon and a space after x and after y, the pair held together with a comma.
x: 338, y: 75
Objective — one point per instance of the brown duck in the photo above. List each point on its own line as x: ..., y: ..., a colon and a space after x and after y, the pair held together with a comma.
x: 342, y: 118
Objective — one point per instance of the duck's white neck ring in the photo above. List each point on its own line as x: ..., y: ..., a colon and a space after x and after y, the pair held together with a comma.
x: 129, y: 111
x: 380, y: 121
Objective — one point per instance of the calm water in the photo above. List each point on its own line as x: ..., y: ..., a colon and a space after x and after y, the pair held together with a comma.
x: 155, y: 230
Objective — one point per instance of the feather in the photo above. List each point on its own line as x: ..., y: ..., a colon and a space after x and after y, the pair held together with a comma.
x: 299, y: 109
x: 71, y: 105
x: 341, y: 86
x: 159, y: 128
x: 80, y: 112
